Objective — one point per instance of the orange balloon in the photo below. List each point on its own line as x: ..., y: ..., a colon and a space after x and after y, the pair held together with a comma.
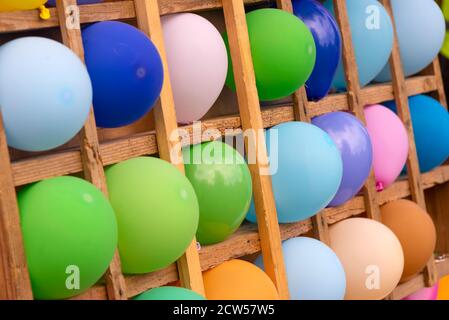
x: 416, y: 232
x: 371, y: 255
x: 238, y: 280
x: 443, y: 289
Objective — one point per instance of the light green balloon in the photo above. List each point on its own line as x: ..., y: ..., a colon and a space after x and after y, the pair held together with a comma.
x: 222, y: 183
x: 69, y: 230
x: 157, y: 213
x: 283, y: 52
x: 169, y: 293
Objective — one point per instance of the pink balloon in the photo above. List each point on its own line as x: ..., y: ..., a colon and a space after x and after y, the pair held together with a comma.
x: 197, y: 62
x: 424, y: 294
x: 390, y: 144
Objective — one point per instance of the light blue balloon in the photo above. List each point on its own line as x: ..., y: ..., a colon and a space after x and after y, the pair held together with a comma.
x: 306, y: 169
x: 45, y: 93
x: 372, y: 37
x: 421, y: 29
x: 314, y: 271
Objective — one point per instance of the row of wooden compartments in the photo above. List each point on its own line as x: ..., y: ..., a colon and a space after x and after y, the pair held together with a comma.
x: 91, y: 156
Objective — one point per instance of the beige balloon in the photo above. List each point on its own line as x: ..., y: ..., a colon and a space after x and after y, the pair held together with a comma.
x: 371, y: 255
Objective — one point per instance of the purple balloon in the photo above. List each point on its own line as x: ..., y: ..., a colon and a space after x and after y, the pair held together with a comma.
x: 52, y: 3
x: 354, y: 143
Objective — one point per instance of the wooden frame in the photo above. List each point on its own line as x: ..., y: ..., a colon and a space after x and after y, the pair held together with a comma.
x: 92, y: 156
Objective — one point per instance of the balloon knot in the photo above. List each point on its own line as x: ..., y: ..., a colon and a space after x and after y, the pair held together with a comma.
x: 379, y: 186
x: 44, y: 13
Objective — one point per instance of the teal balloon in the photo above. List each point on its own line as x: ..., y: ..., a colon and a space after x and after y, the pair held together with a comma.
x: 314, y: 271
x: 306, y: 168
x: 431, y: 130
x: 372, y: 37
x: 169, y: 293
x: 45, y: 93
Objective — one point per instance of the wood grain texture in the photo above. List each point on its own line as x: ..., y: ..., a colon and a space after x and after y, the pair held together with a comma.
x: 90, y: 147
x: 355, y: 98
x: 251, y: 118
x: 168, y: 139
x: 403, y: 110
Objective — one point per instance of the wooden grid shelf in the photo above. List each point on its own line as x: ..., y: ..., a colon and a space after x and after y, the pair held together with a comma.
x: 91, y: 156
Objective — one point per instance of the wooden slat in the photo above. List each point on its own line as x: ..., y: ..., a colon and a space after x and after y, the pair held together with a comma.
x: 14, y: 277
x: 300, y: 107
x: 355, y: 99
x: 251, y: 118
x: 413, y: 171
x: 148, y: 20
x: 90, y: 150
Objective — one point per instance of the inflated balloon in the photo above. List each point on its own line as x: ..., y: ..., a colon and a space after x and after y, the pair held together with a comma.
x: 283, y: 52
x: 42, y: 106
x: 126, y: 72
x: 169, y: 293
x: 157, y: 213
x: 354, y: 143
x: 306, y: 170
x: 431, y: 130
x: 421, y: 29
x: 371, y: 255
x: 52, y: 3
x: 390, y: 144
x: 238, y: 280
x: 313, y: 270
x: 328, y: 45
x: 16, y: 5
x: 197, y: 61
x: 222, y: 183
x: 372, y: 36
x: 443, y: 288
x: 424, y: 294
x: 70, y: 235
x: 415, y: 230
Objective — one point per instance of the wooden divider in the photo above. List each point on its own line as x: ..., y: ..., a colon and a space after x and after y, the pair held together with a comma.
x: 251, y: 118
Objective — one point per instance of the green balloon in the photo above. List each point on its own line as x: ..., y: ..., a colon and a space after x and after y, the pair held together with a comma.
x: 222, y: 183
x: 70, y: 234
x: 283, y: 52
x: 157, y: 213
x: 169, y: 293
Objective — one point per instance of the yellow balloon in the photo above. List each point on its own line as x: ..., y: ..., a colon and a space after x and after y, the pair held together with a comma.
x: 443, y: 289
x: 16, y: 5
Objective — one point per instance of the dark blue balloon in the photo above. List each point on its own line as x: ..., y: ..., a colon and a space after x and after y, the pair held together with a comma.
x: 328, y: 45
x: 354, y: 143
x: 52, y: 3
x: 126, y: 72
x: 431, y: 129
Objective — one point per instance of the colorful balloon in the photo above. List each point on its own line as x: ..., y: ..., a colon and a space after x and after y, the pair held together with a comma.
x: 354, y: 143
x: 126, y: 72
x: 70, y: 235
x: 169, y: 293
x: 16, y: 5
x: 45, y: 93
x: 197, y: 61
x: 157, y: 213
x: 52, y: 3
x: 443, y: 288
x: 415, y: 230
x: 421, y: 29
x: 313, y: 270
x: 424, y: 294
x: 238, y: 280
x: 306, y: 169
x: 390, y: 144
x: 431, y: 130
x: 222, y: 183
x: 371, y: 256
x: 372, y: 37
x: 328, y: 45
x: 283, y: 52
